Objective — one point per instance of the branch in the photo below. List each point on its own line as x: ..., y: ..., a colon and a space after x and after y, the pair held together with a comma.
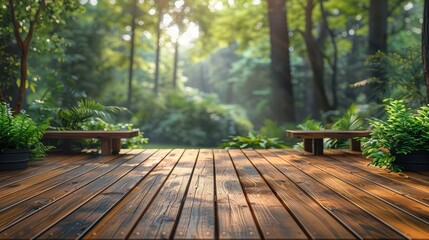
x: 33, y: 22
x: 16, y: 26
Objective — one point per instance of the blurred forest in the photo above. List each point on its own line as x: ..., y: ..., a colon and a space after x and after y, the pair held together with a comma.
x: 193, y: 72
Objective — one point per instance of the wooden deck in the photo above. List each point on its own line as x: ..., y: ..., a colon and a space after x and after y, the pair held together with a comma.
x: 212, y: 194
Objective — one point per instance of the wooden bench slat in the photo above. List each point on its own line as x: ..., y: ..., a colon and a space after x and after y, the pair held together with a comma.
x: 313, y: 139
x: 110, y: 140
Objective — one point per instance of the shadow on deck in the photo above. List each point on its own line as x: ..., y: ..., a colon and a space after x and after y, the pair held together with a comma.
x: 212, y: 194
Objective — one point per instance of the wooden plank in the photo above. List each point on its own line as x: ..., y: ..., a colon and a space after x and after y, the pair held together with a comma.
x: 316, y: 221
x: 342, y: 134
x: 59, y: 209
x: 235, y: 220
x: 41, y: 187
x: 90, y: 134
x: 162, y: 215
x: 272, y: 217
x: 11, y: 215
x: 81, y: 220
x: 405, y: 178
x: 404, y: 223
x: 407, y: 205
x: 343, y: 162
x: 197, y: 219
x: 363, y: 224
x: 119, y: 222
x: 25, y: 183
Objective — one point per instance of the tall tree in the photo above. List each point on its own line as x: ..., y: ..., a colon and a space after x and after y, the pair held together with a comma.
x: 25, y: 17
x: 425, y: 45
x: 315, y: 56
x: 132, y: 50
x: 378, y: 13
x: 161, y: 5
x: 281, y: 84
x: 24, y: 45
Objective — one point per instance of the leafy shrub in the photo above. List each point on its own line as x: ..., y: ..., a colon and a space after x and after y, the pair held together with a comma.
x: 403, y: 132
x: 350, y: 120
x: 21, y: 132
x: 189, y: 118
x: 252, y: 141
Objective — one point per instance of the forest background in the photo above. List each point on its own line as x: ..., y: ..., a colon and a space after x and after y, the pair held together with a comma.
x: 193, y: 72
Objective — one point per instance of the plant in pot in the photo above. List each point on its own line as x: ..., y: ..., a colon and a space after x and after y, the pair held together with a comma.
x: 401, y: 142
x: 20, y: 139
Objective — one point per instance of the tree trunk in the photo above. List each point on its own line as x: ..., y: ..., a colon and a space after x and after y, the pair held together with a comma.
x: 281, y: 84
x: 24, y: 45
x: 334, y: 63
x: 132, y: 49
x: 378, y: 12
x: 176, y: 60
x: 425, y: 46
x: 315, y: 57
x: 160, y: 5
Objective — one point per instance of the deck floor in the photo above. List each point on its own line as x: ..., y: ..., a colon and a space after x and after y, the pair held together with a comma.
x: 212, y: 194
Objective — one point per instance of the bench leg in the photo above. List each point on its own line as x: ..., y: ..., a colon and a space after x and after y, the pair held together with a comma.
x: 318, y: 146
x: 116, y: 145
x: 308, y: 145
x: 106, y: 146
x: 355, y: 145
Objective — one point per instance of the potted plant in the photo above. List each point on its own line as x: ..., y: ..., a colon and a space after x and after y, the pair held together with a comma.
x: 20, y: 139
x: 401, y: 142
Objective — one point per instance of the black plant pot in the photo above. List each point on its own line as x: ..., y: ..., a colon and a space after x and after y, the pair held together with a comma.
x: 414, y: 162
x: 11, y: 159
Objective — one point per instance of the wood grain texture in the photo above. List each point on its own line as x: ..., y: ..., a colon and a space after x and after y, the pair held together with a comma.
x: 235, y: 220
x: 212, y: 194
x: 162, y: 215
x: 121, y: 219
x: 197, y: 220
x: 316, y: 221
x: 363, y: 224
x: 327, y: 133
x: 273, y: 219
x: 406, y: 224
x: 80, y: 221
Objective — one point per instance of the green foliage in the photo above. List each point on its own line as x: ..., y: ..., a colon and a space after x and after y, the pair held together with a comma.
x: 189, y: 118
x: 403, y: 132
x: 21, y: 132
x: 87, y: 114
x: 350, y: 120
x: 252, y: 141
x: 403, y: 76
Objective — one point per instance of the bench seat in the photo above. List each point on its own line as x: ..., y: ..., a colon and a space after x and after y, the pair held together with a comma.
x: 110, y: 140
x: 313, y: 139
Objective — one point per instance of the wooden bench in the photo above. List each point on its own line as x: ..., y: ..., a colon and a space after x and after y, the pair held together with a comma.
x: 313, y: 139
x: 110, y: 140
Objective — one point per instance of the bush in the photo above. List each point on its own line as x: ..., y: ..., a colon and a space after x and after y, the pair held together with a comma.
x: 252, y: 141
x: 189, y: 118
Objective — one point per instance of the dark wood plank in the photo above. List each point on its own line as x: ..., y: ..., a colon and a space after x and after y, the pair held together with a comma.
x: 36, y: 189
x: 161, y: 216
x: 81, y: 220
x: 197, y: 219
x: 272, y: 217
x: 90, y: 134
x: 235, y: 220
x: 360, y: 222
x: 342, y: 134
x: 59, y: 209
x: 343, y: 162
x: 11, y: 215
x: 316, y: 221
x: 404, y: 223
x: 406, y: 178
x: 119, y: 222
